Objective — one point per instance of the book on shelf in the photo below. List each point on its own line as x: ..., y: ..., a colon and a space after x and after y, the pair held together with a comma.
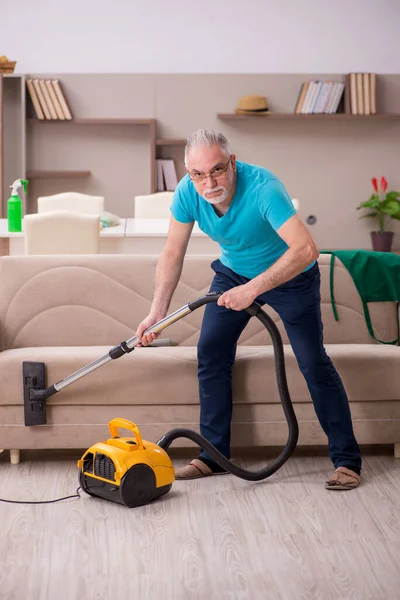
x: 325, y: 97
x: 48, y: 99
x: 361, y: 90
x: 167, y: 179
x: 360, y: 95
x: 49, y: 103
x: 42, y: 99
x: 372, y: 90
x: 55, y: 100
x: 319, y: 97
x: 60, y: 95
x: 35, y: 100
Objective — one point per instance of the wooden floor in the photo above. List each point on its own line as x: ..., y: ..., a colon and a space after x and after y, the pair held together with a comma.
x: 217, y: 538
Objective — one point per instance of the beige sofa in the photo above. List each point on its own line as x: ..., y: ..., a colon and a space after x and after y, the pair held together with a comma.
x: 67, y: 311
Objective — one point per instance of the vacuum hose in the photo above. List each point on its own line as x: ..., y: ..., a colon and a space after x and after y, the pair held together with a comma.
x: 220, y: 459
x: 34, y: 395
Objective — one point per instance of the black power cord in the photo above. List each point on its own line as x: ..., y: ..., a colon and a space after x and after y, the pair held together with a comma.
x: 77, y: 495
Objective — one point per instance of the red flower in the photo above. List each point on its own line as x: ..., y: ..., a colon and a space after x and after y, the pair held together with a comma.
x: 375, y: 183
x: 384, y: 184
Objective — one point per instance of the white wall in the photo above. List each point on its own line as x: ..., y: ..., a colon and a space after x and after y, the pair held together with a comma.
x: 201, y: 36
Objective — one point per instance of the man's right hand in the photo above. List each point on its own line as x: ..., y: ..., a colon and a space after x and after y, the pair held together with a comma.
x: 145, y: 324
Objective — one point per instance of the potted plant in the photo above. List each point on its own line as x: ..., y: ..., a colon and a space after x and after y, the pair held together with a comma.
x: 384, y: 206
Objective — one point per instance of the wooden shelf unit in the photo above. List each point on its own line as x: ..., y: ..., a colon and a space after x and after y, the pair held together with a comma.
x: 170, y: 142
x: 16, y: 123
x: 94, y: 121
x: 101, y: 121
x: 307, y: 117
x: 172, y: 148
x: 58, y: 174
x: 1, y: 147
x: 12, y: 134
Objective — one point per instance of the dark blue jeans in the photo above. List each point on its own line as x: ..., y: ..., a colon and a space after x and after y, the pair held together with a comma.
x: 298, y: 304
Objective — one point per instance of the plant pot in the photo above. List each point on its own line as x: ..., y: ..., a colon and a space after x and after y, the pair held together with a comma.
x: 382, y: 240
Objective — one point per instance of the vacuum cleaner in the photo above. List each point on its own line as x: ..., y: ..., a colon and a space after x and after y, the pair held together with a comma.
x: 132, y: 471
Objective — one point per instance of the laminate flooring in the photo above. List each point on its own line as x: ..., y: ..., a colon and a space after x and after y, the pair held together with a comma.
x: 215, y: 538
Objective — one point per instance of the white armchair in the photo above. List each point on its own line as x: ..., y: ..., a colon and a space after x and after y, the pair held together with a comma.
x: 153, y: 206
x: 62, y: 232
x: 73, y: 201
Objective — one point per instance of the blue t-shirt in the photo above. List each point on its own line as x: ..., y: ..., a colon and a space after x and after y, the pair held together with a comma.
x: 247, y: 232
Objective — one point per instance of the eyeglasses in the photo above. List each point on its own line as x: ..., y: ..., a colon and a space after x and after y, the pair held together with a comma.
x: 214, y: 174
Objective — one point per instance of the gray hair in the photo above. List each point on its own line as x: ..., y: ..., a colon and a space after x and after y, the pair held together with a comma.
x: 206, y: 137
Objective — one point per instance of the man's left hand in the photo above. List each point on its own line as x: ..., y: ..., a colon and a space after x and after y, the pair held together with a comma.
x: 238, y: 298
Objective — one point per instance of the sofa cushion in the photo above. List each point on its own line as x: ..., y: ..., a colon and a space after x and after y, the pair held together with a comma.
x: 168, y: 376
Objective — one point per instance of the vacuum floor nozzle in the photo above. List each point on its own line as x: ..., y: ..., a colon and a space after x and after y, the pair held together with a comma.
x: 34, y: 378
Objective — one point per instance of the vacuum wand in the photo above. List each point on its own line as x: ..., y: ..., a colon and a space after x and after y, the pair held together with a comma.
x: 35, y: 392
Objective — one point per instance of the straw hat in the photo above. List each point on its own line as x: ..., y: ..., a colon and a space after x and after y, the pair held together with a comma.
x: 252, y: 104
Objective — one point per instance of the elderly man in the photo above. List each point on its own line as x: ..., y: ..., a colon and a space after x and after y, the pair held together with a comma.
x: 268, y: 256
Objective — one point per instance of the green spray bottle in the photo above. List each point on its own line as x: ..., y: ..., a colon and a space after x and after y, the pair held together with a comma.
x: 14, y: 206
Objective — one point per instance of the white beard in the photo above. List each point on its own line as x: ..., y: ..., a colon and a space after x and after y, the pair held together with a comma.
x: 216, y: 199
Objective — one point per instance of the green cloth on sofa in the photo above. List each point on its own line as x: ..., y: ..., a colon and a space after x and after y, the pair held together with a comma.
x: 376, y: 276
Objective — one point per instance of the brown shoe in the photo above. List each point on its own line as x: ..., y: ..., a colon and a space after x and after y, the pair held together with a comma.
x: 193, y: 470
x: 343, y: 479
x: 196, y: 469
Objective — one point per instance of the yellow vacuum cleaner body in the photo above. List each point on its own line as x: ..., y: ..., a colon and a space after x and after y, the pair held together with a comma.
x: 127, y: 470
